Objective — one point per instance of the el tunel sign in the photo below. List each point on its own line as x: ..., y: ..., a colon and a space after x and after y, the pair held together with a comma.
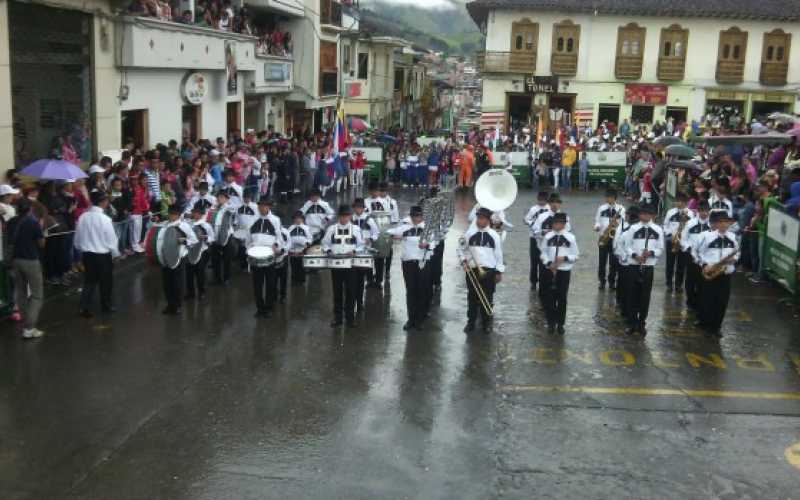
x: 541, y: 84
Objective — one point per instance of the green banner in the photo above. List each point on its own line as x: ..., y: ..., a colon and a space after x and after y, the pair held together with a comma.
x: 608, y: 174
x: 781, y: 264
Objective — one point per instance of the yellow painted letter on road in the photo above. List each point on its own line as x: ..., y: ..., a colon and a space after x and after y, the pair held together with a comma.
x: 760, y: 363
x: 712, y: 360
x: 585, y: 358
x: 617, y: 358
x: 795, y: 359
x: 660, y: 362
x: 544, y: 355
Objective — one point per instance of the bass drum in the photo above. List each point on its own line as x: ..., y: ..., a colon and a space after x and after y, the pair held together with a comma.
x: 196, y: 251
x: 168, y: 247
x: 150, y: 241
x: 224, y: 232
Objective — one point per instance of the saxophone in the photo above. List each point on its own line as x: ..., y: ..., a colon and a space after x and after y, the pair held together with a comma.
x: 714, y: 271
x: 676, y: 238
x: 610, y: 232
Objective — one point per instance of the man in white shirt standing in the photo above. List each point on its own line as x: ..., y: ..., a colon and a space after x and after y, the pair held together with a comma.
x: 96, y: 239
x: 481, y: 254
x: 416, y: 271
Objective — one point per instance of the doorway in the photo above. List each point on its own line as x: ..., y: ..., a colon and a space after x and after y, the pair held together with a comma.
x: 678, y: 115
x: 519, y: 110
x: 135, y: 127
x: 234, y: 112
x: 609, y: 113
x: 191, y: 121
x: 762, y: 109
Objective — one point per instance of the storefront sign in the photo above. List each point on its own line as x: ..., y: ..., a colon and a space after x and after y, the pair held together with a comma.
x: 276, y: 71
x: 541, y: 84
x: 646, y: 94
x: 782, y: 248
x: 194, y: 88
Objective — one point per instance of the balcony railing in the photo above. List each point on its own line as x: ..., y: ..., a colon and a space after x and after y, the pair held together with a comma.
x: 507, y: 62
x: 628, y: 67
x: 774, y: 73
x: 564, y: 64
x: 731, y: 72
x: 330, y: 13
x: 671, y: 69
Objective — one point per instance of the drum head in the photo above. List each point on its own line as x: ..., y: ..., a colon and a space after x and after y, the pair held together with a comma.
x: 169, y: 247
x: 225, y: 227
x: 260, y: 252
x: 196, y: 251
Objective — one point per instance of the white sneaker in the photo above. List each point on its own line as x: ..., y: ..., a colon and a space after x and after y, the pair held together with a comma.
x: 37, y: 333
x: 27, y: 333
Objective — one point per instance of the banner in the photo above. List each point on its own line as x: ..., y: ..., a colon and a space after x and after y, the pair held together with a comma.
x: 636, y: 93
x: 607, y: 166
x: 782, y: 249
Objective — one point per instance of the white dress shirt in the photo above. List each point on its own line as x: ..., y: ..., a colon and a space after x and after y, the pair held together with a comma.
x: 713, y: 247
x: 559, y: 244
x: 317, y: 214
x: 208, y: 201
x: 269, y: 230
x: 208, y: 230
x: 605, y: 213
x: 619, y: 249
x: 300, y: 237
x: 218, y: 215
x: 534, y: 213
x: 673, y: 218
x: 191, y: 238
x: 369, y: 228
x: 410, y: 235
x: 342, y: 239
x: 692, y: 232
x: 641, y: 237
x: 486, y: 248
x: 544, y: 223
x: 95, y: 233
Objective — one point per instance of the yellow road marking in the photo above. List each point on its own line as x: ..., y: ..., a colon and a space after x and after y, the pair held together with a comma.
x: 648, y: 391
x: 793, y: 455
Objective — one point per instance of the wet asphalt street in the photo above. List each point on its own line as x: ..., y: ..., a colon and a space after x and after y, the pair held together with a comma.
x: 219, y: 405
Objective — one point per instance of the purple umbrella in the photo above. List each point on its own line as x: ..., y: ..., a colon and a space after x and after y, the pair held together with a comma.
x: 53, y: 170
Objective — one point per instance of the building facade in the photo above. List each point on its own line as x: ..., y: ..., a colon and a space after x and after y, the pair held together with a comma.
x: 637, y: 60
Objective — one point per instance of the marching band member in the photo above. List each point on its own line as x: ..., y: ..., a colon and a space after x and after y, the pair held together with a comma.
x: 720, y: 199
x: 484, y: 255
x: 196, y: 273
x: 173, y: 279
x: 343, y: 238
x: 559, y: 253
x: 246, y: 214
x: 317, y: 213
x: 300, y: 238
x: 689, y: 243
x: 416, y: 278
x: 267, y: 229
x: 393, y: 210
x: 281, y: 265
x: 623, y: 265
x: 376, y: 203
x: 498, y: 220
x: 606, y: 213
x: 370, y: 233
x: 437, y: 257
x: 534, y: 212
x: 394, y: 216
x: 222, y: 251
x: 201, y: 199
x: 716, y: 248
x: 643, y: 244
x: 542, y: 226
x: 234, y: 190
x: 675, y: 222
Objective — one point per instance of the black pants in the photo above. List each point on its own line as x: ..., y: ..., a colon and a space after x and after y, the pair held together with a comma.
x: 264, y: 287
x: 344, y: 294
x: 535, y: 255
x: 57, y: 255
x: 196, y: 276
x: 241, y: 253
x: 221, y: 257
x: 383, y: 266
x: 693, y: 277
x: 638, y: 285
x: 172, y: 281
x: 555, y: 296
x: 99, y: 271
x: 362, y: 275
x: 622, y: 272
x: 436, y: 262
x: 418, y: 285
x: 298, y: 271
x: 474, y: 305
x: 282, y: 277
x: 607, y: 260
x: 676, y: 268
x: 714, y: 297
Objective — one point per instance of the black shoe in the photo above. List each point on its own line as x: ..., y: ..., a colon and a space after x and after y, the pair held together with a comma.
x: 188, y: 296
x: 630, y: 331
x: 226, y: 282
x: 551, y: 328
x: 643, y: 329
x: 283, y: 299
x: 533, y: 286
x: 408, y: 326
x: 336, y: 323
x: 86, y: 313
x: 169, y: 311
x: 601, y: 286
x: 612, y: 285
x: 202, y: 296
x: 699, y: 324
x: 669, y: 287
x: 109, y: 310
x: 352, y: 324
x: 258, y: 314
x: 560, y: 329
x: 470, y: 327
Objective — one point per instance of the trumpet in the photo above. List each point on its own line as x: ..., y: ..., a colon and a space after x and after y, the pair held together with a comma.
x: 474, y: 275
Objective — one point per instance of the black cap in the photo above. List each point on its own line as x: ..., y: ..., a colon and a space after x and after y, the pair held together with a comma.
x: 647, y: 208
x: 345, y: 210
x: 315, y: 192
x: 203, y: 186
x: 484, y: 212
x: 633, y: 213
x: 560, y: 217
x: 198, y: 208
x: 704, y: 206
x: 229, y: 172
x: 415, y: 211
x: 358, y: 203
x: 611, y: 192
x: 554, y: 198
x: 373, y: 186
x: 224, y: 193
x: 265, y: 201
x: 719, y: 216
x: 97, y: 197
x: 542, y: 196
x: 383, y: 186
x: 175, y: 209
x: 300, y: 214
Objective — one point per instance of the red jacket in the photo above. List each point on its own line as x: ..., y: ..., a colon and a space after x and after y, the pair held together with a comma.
x: 141, y: 200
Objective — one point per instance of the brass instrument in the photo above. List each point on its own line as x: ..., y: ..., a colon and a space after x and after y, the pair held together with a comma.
x: 474, y: 275
x: 714, y: 271
x: 676, y: 238
x: 610, y: 232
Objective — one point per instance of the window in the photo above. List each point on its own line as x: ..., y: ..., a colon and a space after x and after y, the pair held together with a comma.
x: 642, y: 114
x: 775, y: 58
x: 731, y: 56
x: 566, y: 36
x: 525, y: 34
x: 671, y: 59
x: 398, y: 79
x: 328, y: 71
x: 630, y: 47
x: 524, y: 44
x: 518, y: 42
x: 363, y: 65
x: 346, y: 55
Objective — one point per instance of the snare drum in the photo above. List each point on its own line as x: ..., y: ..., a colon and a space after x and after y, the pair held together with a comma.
x: 363, y: 261
x: 340, y: 262
x: 260, y: 256
x: 315, y: 259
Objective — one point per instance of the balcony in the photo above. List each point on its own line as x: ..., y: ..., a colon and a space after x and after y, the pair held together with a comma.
x: 507, y: 62
x: 144, y: 42
x: 628, y: 68
x: 730, y: 72
x: 330, y: 14
x: 774, y: 73
x: 564, y: 64
x: 671, y: 69
x: 273, y: 74
x: 292, y: 8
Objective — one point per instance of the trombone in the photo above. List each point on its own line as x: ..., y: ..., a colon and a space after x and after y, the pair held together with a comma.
x: 474, y: 275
